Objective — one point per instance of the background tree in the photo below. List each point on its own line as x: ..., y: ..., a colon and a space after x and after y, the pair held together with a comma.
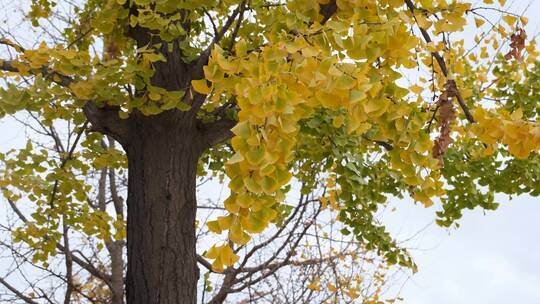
x: 260, y: 92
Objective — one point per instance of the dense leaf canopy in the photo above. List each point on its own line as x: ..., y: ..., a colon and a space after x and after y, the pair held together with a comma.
x: 315, y: 91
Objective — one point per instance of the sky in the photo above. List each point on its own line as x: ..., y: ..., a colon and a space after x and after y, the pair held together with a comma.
x: 493, y: 258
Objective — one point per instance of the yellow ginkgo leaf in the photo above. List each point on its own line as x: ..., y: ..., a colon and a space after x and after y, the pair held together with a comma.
x: 510, y: 19
x: 314, y: 285
x: 214, y: 226
x: 479, y: 22
x: 201, y: 86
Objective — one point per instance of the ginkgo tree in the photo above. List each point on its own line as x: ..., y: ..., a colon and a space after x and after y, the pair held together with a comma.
x: 301, y: 261
x: 265, y: 92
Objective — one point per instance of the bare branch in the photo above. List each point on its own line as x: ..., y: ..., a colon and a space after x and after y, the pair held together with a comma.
x: 83, y: 264
x: 68, y: 261
x: 17, y: 293
x: 201, y: 260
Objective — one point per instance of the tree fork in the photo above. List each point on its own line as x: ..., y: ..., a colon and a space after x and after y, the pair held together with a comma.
x: 163, y: 152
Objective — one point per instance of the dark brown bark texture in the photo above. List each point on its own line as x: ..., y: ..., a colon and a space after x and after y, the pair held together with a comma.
x: 163, y: 151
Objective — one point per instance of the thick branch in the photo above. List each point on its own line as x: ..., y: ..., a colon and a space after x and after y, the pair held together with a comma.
x: 106, y: 121
x: 7, y: 66
x: 201, y: 260
x: 117, y: 199
x: 327, y: 10
x: 114, y: 247
x: 217, y: 132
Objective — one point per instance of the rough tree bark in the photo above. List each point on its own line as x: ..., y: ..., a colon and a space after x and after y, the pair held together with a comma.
x: 162, y: 153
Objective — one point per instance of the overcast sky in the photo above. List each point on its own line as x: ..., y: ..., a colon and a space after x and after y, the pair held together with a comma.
x: 492, y: 258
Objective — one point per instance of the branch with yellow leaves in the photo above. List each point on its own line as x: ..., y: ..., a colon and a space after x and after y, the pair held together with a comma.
x: 103, y: 119
x: 440, y: 62
x: 79, y: 261
x: 19, y: 294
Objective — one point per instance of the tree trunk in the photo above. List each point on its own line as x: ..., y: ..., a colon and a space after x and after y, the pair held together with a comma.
x: 117, y: 273
x: 163, y: 152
